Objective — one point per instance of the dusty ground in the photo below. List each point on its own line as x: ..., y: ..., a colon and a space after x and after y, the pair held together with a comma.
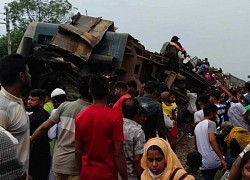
x: 185, y: 145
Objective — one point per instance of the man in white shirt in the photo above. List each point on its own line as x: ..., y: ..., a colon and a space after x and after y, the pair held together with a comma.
x: 199, y: 115
x: 212, y: 158
x: 14, y: 77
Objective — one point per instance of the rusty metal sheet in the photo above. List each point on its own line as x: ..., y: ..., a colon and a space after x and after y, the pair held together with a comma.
x: 80, y: 39
x: 73, y: 45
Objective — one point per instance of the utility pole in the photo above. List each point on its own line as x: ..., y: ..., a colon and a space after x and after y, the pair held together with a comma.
x: 7, y: 20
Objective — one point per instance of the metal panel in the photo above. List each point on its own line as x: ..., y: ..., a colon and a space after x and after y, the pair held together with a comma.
x: 80, y: 39
x: 113, y: 44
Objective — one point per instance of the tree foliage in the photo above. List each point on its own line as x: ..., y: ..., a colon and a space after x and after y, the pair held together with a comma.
x: 15, y: 37
x: 22, y: 12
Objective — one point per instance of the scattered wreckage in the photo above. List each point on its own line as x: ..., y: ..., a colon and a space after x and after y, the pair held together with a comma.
x: 59, y: 54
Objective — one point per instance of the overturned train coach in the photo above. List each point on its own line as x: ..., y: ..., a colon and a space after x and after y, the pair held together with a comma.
x: 59, y: 54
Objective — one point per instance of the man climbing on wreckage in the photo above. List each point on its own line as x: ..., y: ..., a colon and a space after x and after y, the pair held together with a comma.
x: 173, y: 51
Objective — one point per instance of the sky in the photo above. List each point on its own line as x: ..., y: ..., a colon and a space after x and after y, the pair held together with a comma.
x: 213, y: 29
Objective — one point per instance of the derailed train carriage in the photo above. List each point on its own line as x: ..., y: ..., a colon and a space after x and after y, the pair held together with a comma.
x: 59, y: 54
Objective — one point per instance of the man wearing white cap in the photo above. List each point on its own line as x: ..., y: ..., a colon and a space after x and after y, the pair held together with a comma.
x: 58, y: 96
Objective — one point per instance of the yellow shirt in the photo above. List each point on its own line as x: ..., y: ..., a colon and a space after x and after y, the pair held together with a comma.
x: 168, y: 109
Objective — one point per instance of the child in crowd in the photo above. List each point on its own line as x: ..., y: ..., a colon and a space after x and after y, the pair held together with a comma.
x: 169, y: 107
x: 194, y: 162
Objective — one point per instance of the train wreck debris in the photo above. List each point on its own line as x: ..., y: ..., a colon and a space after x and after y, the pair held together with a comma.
x: 59, y: 54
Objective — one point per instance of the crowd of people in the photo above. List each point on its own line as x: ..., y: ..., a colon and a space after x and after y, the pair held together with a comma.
x: 44, y: 136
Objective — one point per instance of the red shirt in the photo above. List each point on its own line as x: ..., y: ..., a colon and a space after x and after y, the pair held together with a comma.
x: 118, y: 104
x: 97, y: 127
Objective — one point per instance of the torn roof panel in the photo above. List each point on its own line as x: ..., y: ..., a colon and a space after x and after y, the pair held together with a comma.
x: 80, y: 38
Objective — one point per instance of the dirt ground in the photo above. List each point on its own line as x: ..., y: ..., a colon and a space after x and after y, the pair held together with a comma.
x: 185, y: 145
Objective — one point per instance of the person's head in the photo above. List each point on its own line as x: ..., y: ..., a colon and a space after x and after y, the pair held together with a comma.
x: 226, y: 127
x: 210, y: 111
x: 152, y: 87
x: 175, y: 39
x: 130, y: 108
x: 47, y: 96
x: 203, y: 100
x: 10, y: 167
x: 98, y: 87
x: 214, y: 96
x: 239, y: 94
x: 172, y: 97
x: 58, y: 96
x: 83, y: 87
x: 36, y: 99
x: 132, y: 88
x: 245, y: 165
x: 14, y: 69
x: 120, y: 88
x: 194, y: 159
x: 165, y: 96
x: 168, y: 97
x: 247, y: 87
x: 131, y: 84
x: 158, y: 157
x: 141, y: 116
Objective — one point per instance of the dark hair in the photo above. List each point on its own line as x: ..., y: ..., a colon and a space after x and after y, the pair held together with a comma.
x: 132, y: 83
x: 59, y: 98
x: 175, y: 39
x: 247, y: 86
x: 130, y: 108
x: 194, y: 159
x: 154, y: 147
x: 99, y: 86
x: 47, y: 93
x: 38, y: 93
x: 142, y: 111
x: 245, y: 159
x: 83, y: 86
x: 209, y: 108
x: 121, y: 85
x: 215, y: 93
x: 203, y: 99
x: 233, y: 92
x: 10, y: 67
x: 151, y: 86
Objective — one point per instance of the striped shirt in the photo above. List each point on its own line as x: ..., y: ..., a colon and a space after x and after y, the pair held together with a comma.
x: 64, y: 154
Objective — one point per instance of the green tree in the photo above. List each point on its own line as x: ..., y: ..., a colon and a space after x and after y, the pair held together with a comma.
x: 22, y: 12
x: 15, y: 36
x: 3, y: 46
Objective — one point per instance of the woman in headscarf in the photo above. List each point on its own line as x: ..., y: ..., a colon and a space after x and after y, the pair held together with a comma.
x: 161, y: 163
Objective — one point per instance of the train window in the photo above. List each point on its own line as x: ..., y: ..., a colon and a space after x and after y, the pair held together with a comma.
x: 44, y: 39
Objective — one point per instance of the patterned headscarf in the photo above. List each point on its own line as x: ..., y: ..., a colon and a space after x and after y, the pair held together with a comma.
x: 10, y: 167
x: 172, y: 162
